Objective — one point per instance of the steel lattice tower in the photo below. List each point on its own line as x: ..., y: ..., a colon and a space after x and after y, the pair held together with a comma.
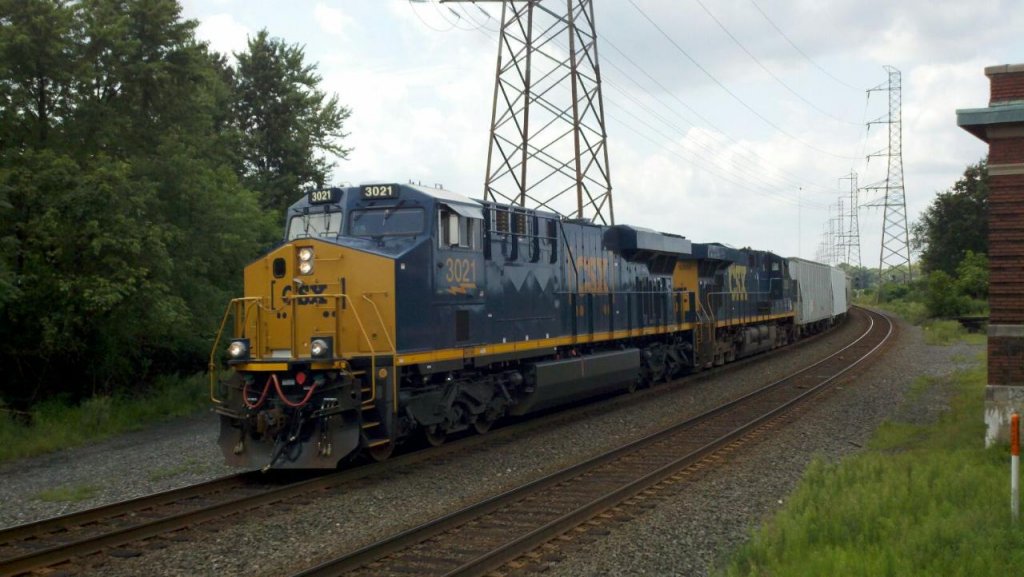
x: 852, y: 236
x: 895, y: 253
x: 548, y: 138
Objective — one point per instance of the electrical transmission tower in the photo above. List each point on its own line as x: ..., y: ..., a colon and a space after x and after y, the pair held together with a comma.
x: 852, y: 222
x: 548, y: 140
x: 895, y: 254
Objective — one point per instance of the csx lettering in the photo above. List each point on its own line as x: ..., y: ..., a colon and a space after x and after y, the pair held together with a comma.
x: 310, y: 289
x: 460, y: 270
x: 593, y: 273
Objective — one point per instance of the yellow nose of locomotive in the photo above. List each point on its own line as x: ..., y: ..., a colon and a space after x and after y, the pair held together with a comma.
x: 300, y: 293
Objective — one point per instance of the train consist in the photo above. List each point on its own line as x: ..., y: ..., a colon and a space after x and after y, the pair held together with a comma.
x: 392, y: 311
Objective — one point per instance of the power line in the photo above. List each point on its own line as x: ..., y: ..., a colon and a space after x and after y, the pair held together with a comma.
x: 713, y: 156
x: 731, y: 93
x: 795, y: 180
x: 797, y: 48
x: 768, y: 71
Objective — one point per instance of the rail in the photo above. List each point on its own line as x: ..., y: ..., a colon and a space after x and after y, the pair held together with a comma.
x: 483, y: 537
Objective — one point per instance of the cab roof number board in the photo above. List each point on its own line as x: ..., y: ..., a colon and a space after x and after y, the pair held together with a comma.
x: 325, y: 196
x: 375, y: 191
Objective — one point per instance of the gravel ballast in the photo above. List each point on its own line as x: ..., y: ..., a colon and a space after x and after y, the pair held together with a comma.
x: 681, y: 536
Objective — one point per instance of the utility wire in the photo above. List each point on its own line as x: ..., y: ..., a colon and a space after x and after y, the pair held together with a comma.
x: 424, y: 22
x: 797, y: 48
x: 730, y: 92
x: 767, y: 70
x: 746, y: 172
x: 793, y: 179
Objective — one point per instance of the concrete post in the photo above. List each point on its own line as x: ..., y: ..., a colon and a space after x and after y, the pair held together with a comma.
x: 1001, y: 125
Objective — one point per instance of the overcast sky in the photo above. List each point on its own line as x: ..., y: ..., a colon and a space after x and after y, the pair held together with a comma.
x: 731, y: 121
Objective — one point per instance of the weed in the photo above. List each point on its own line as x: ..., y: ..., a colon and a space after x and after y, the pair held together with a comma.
x: 55, y: 425
x: 68, y: 493
x: 191, y: 465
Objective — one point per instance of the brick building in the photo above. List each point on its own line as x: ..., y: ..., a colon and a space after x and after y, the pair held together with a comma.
x: 1001, y: 125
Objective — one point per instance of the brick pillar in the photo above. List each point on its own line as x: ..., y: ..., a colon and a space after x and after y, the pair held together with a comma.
x: 1001, y: 125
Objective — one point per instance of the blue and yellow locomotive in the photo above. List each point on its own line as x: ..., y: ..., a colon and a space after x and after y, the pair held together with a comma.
x: 396, y: 310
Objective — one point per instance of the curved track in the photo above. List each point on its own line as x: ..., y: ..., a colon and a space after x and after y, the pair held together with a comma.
x: 107, y: 530
x: 487, y: 536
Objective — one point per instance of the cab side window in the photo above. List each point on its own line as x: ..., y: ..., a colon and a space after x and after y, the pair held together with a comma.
x: 456, y: 231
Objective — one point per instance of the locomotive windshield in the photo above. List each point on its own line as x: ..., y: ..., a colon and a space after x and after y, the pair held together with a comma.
x: 316, y: 225
x: 386, y: 222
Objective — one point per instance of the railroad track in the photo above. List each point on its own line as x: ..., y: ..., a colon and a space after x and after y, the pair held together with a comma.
x: 50, y: 542
x: 493, y: 533
x: 123, y: 529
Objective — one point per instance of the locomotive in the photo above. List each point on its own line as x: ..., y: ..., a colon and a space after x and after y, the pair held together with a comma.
x: 396, y: 310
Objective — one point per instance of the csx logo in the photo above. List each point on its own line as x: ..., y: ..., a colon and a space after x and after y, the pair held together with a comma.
x: 306, y: 289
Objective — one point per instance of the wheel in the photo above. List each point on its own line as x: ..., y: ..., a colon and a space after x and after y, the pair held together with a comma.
x: 435, y: 435
x: 381, y: 452
x: 482, y: 424
x: 633, y: 386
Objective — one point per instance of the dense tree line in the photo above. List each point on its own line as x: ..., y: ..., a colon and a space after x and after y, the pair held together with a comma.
x: 955, y: 222
x: 139, y: 172
x: 952, y: 235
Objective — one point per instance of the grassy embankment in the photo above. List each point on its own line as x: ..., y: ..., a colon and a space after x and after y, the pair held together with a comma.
x: 921, y: 500
x: 56, y: 425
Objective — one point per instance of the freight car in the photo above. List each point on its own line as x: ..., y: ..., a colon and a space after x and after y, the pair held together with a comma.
x: 392, y: 311
x: 823, y: 294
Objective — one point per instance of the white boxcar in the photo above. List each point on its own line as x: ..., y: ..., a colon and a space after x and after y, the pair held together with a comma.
x: 840, y: 292
x: 814, y: 290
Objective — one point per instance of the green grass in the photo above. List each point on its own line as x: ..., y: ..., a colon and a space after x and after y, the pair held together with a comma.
x: 55, y: 425
x: 922, y: 500
x: 939, y: 332
x: 189, y: 465
x: 68, y: 493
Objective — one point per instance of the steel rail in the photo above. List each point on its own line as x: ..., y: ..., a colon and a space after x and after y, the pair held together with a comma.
x: 496, y: 557
x: 120, y: 536
x: 10, y: 536
x: 62, y: 527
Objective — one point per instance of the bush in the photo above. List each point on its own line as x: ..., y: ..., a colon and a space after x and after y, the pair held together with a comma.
x: 943, y: 298
x: 56, y: 425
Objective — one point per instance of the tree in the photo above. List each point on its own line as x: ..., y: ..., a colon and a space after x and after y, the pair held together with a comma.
x: 972, y: 275
x: 956, y: 222
x: 121, y: 240
x: 36, y: 45
x: 287, y: 125
x: 942, y: 297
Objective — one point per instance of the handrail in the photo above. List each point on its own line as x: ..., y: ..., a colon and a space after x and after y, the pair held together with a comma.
x: 212, y: 367
x: 366, y: 297
x: 369, y: 344
x: 255, y: 301
x: 394, y: 378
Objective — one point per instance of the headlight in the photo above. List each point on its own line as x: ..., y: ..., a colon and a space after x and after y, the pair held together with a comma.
x: 306, y: 260
x: 320, y: 348
x: 238, y: 349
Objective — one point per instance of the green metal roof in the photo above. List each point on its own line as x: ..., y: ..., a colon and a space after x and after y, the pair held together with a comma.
x: 976, y: 120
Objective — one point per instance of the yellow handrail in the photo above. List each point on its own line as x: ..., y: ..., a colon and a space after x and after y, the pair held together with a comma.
x: 255, y: 345
x: 212, y: 367
x: 394, y: 350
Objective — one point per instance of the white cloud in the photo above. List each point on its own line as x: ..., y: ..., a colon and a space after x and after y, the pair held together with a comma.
x: 332, y: 20
x: 224, y: 33
x: 684, y: 155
